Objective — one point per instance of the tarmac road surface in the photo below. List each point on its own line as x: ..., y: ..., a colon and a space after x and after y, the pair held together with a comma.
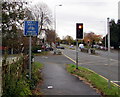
x: 57, y: 81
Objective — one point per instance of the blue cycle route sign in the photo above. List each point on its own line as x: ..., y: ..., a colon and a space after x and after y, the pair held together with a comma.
x: 30, y: 28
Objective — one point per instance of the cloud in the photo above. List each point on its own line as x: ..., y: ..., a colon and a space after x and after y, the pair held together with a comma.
x: 89, y: 12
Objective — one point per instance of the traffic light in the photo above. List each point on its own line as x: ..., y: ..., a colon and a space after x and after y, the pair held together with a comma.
x: 79, y: 30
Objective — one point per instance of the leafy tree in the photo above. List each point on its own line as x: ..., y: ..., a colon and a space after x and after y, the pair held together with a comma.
x: 92, y: 37
x: 114, y: 34
x: 12, y: 21
x: 68, y: 39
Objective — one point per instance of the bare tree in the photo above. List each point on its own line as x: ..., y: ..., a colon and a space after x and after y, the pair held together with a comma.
x: 42, y: 13
x: 50, y: 36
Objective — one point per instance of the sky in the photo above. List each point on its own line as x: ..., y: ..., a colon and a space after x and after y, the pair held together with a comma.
x: 92, y: 13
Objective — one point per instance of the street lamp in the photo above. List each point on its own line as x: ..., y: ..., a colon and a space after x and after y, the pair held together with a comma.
x: 108, y: 31
x: 55, y: 21
x: 105, y: 34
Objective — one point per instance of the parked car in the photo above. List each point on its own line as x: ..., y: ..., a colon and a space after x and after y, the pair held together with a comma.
x: 103, y: 48
x: 49, y: 49
x: 60, y: 47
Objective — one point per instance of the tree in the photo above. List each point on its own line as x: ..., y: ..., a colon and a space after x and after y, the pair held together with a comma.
x: 12, y: 20
x: 92, y: 37
x: 68, y: 39
x: 50, y: 36
x: 42, y: 13
x: 114, y: 34
x: 14, y: 14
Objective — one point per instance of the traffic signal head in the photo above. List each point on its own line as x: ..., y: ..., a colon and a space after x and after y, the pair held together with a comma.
x: 79, y: 30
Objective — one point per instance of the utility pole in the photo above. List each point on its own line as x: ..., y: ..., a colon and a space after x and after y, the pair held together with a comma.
x: 108, y: 30
x: 55, y: 21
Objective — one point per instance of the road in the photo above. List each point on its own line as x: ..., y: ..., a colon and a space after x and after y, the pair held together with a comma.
x: 97, y: 63
x: 113, y: 54
x: 102, y: 53
x: 57, y: 81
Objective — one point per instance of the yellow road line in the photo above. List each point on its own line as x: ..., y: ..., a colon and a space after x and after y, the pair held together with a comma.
x: 92, y: 71
x: 69, y: 58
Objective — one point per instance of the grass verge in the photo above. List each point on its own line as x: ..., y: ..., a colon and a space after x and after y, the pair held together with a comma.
x: 36, y: 78
x: 95, y: 80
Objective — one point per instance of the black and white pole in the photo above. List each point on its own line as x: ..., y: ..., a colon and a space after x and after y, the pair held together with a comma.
x: 108, y: 30
x: 30, y: 57
x: 76, y: 53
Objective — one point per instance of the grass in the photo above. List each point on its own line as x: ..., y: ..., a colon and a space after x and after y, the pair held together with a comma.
x: 36, y: 77
x: 37, y: 66
x: 95, y: 80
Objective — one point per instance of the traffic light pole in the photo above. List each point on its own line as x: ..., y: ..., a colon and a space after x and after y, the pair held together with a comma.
x: 79, y: 35
x: 76, y: 53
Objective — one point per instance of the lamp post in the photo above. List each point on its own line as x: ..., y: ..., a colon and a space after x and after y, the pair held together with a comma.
x: 55, y: 21
x: 108, y: 31
x: 105, y: 34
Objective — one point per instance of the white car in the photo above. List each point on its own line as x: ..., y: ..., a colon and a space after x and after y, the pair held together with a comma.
x: 81, y: 46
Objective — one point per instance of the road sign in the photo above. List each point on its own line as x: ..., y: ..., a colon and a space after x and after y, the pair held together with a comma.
x: 30, y: 28
x: 79, y: 30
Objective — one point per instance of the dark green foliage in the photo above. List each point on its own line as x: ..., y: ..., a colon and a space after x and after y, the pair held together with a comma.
x: 12, y: 20
x: 36, y: 75
x: 15, y: 83
x: 114, y: 35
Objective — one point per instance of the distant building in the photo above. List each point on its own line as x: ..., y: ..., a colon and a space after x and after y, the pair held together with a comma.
x: 119, y: 10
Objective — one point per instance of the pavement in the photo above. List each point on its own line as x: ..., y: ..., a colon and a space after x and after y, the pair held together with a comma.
x: 57, y: 81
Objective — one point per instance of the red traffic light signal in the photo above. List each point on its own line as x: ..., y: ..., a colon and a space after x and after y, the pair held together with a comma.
x: 80, y: 26
x: 79, y: 30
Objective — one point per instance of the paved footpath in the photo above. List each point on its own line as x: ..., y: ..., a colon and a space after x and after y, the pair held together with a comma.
x: 57, y: 81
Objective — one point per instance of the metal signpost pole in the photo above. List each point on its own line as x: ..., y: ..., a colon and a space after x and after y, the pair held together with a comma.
x: 30, y: 57
x: 30, y: 29
x: 76, y: 53
x: 108, y: 30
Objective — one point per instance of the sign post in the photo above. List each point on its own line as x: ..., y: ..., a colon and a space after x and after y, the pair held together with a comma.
x: 30, y: 29
x: 30, y: 69
x: 79, y: 35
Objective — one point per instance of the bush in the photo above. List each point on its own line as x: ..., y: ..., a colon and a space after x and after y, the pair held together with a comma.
x: 14, y: 81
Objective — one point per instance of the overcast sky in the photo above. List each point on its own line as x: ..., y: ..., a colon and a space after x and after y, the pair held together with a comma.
x: 92, y: 13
